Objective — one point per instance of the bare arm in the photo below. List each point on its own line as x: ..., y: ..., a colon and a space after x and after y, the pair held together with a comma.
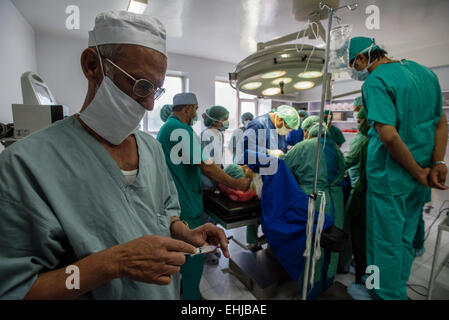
x: 150, y: 259
x: 215, y: 173
x: 94, y: 270
x: 439, y: 172
x: 400, y: 152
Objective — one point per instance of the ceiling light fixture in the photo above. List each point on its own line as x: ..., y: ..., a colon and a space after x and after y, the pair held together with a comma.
x: 138, y: 6
x: 273, y: 74
x: 252, y: 85
x: 278, y: 81
x: 304, y: 85
x: 310, y: 74
x: 271, y: 91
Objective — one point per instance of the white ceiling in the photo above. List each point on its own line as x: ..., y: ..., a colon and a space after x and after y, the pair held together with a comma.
x: 228, y: 30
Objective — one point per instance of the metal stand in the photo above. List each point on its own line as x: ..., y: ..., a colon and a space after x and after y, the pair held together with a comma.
x: 331, y: 12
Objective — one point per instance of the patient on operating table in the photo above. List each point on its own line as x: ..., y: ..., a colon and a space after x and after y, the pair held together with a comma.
x: 236, y: 171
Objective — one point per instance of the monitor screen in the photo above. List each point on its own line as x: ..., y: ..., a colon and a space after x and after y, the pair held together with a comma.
x: 42, y: 94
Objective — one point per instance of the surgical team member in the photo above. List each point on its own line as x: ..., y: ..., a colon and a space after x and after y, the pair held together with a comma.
x: 297, y: 135
x: 82, y: 191
x: 301, y: 162
x: 355, y: 208
x: 309, y: 123
x: 216, y: 121
x: 334, y: 133
x: 165, y: 112
x: 183, y: 155
x: 237, y: 135
x: 276, y: 126
x: 408, y: 138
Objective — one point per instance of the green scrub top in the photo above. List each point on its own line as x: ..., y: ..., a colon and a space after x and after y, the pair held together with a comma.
x: 408, y: 96
x: 336, y: 135
x: 63, y: 197
x: 179, y: 138
x: 352, y: 158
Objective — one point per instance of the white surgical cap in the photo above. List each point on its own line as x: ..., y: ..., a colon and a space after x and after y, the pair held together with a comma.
x: 123, y: 27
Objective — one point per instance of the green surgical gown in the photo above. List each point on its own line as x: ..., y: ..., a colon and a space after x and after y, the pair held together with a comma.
x: 178, y: 139
x: 352, y: 158
x: 63, y: 197
x: 301, y: 162
x: 407, y: 96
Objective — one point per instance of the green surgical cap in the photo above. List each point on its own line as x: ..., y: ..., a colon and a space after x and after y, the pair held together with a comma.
x: 360, y: 45
x: 214, y: 114
x: 289, y: 115
x: 309, y: 122
x: 165, y: 112
x: 361, y: 114
x: 246, y: 115
x: 303, y: 113
x: 313, y: 131
x: 235, y: 171
x: 358, y: 101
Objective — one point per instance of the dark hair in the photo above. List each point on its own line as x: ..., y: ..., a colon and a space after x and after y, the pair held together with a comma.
x: 179, y: 107
x: 374, y: 55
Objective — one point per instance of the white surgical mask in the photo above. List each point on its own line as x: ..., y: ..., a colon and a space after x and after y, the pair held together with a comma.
x: 112, y: 114
x: 282, y: 131
x: 225, y: 125
x: 246, y: 123
x: 362, y: 74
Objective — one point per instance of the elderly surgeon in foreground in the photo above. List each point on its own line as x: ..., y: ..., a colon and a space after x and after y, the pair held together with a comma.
x: 91, y: 191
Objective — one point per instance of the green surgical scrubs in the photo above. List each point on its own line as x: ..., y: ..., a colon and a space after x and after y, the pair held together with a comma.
x: 407, y: 96
x: 63, y: 198
x: 182, y: 151
x: 301, y: 162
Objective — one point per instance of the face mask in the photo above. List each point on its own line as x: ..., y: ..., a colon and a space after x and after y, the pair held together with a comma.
x: 355, y: 114
x: 362, y: 128
x: 363, y: 74
x: 282, y: 131
x: 112, y: 114
x: 225, y: 125
x: 246, y: 123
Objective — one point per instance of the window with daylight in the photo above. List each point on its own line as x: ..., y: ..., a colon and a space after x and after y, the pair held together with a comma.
x: 152, y: 121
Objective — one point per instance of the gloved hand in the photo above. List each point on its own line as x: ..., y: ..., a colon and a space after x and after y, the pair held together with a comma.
x: 275, y: 153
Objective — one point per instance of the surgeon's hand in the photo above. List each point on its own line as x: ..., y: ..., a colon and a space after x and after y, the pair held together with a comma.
x: 209, y: 234
x: 423, y: 177
x: 151, y: 259
x: 242, y: 184
x: 437, y: 177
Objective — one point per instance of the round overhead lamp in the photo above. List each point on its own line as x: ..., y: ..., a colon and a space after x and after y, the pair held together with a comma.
x: 271, y: 91
x: 252, y: 85
x: 274, y: 66
x: 278, y: 81
x: 310, y: 74
x: 273, y: 74
x: 304, y: 85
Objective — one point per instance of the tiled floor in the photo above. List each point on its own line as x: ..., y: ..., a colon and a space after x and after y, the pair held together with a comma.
x: 218, y: 282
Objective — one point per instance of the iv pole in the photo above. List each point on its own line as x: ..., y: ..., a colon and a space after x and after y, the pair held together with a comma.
x: 331, y: 12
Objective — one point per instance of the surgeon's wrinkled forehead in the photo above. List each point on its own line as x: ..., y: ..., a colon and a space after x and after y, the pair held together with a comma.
x: 143, y: 63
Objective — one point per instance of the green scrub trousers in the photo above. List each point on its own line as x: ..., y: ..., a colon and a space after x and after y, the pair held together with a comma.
x: 390, y: 250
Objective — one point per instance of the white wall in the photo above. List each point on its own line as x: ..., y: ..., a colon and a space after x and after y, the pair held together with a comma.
x: 18, y: 55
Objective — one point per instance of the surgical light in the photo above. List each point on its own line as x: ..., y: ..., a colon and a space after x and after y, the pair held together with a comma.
x: 273, y: 74
x: 304, y: 85
x: 279, y: 80
x: 137, y: 6
x: 252, y: 85
x: 310, y: 74
x: 271, y: 91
